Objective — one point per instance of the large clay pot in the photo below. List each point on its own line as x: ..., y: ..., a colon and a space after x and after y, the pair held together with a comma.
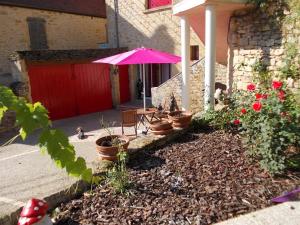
x: 108, y: 152
x: 161, y: 127
x: 180, y: 119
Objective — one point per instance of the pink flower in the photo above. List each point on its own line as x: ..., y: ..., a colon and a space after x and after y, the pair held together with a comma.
x: 243, y: 111
x: 257, y: 106
x: 259, y: 96
x: 277, y: 84
x: 251, y: 87
x: 236, y: 122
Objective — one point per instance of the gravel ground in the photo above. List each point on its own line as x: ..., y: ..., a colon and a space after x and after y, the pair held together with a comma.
x: 201, y: 179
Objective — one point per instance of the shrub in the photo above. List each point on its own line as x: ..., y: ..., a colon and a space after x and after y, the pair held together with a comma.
x: 269, y: 121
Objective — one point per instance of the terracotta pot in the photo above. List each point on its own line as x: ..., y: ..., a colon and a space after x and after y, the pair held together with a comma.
x: 181, y: 119
x: 162, y: 132
x: 160, y: 125
x: 110, y: 152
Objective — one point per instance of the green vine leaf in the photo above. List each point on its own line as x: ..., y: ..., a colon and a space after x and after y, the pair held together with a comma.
x: 31, y: 117
x: 3, y: 109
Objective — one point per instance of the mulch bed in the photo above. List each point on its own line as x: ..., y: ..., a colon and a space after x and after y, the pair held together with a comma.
x: 201, y: 179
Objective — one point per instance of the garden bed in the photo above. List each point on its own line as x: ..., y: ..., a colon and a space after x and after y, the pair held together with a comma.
x: 201, y: 179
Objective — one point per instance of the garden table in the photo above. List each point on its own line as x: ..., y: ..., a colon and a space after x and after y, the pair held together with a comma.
x: 143, y: 116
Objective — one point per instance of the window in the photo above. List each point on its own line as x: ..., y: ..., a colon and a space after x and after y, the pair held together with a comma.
x: 158, y: 3
x: 195, y: 52
x: 37, y: 33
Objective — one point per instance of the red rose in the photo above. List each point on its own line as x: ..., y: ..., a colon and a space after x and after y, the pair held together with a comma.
x: 277, y: 85
x: 258, y: 96
x: 243, y: 111
x: 251, y: 87
x: 281, y: 95
x: 236, y: 122
x: 257, y: 106
x: 283, y: 114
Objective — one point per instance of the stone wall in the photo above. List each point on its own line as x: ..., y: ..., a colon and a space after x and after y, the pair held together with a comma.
x: 256, y: 36
x: 149, y: 28
x: 161, y: 95
x: 64, y: 31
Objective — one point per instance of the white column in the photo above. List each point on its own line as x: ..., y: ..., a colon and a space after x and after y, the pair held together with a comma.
x: 210, y: 56
x: 185, y: 62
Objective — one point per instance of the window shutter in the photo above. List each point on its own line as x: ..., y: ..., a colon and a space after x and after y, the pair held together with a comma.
x: 157, y: 3
x: 37, y: 33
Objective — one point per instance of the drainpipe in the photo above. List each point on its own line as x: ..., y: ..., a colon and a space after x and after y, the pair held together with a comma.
x: 185, y: 62
x: 210, y: 57
x: 116, y: 5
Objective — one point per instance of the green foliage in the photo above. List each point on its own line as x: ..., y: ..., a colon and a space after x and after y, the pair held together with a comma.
x: 31, y: 117
x: 118, y: 176
x: 261, y: 74
x: 291, y: 62
x: 267, y: 132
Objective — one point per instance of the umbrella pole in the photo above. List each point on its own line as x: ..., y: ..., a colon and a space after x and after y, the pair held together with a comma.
x: 144, y: 86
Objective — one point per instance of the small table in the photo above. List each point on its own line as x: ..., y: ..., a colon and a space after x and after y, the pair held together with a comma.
x: 143, y: 116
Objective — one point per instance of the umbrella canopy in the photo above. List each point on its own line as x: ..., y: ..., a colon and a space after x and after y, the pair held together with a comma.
x: 141, y: 56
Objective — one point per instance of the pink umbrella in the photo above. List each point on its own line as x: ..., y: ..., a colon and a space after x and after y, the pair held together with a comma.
x: 141, y: 56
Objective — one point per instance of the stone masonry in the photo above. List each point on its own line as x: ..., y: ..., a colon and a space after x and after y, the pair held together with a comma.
x: 155, y: 28
x: 257, y: 37
x: 161, y: 95
x: 63, y: 31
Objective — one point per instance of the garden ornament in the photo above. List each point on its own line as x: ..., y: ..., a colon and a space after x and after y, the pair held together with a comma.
x: 172, y: 103
x: 290, y: 82
x: 290, y: 196
x: 80, y: 133
x: 35, y: 213
x: 218, y: 94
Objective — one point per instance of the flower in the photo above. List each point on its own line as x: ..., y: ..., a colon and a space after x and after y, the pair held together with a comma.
x: 243, y: 111
x: 251, y: 87
x: 236, y: 122
x: 283, y: 114
x: 257, y: 106
x: 277, y: 84
x: 259, y: 96
x: 281, y: 95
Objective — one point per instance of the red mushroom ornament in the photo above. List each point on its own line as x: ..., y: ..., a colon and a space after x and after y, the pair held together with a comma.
x: 34, y: 213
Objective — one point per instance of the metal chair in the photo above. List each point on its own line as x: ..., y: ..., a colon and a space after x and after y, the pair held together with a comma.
x: 129, y: 119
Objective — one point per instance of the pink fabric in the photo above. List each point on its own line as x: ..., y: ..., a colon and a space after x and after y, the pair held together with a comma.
x: 140, y: 56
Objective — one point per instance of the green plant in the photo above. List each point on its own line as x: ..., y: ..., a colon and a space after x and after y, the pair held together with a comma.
x: 118, y: 176
x: 261, y: 73
x: 270, y: 124
x: 291, y: 62
x: 32, y: 117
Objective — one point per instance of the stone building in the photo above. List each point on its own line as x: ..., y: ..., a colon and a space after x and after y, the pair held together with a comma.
x: 151, y: 23
x: 48, y: 25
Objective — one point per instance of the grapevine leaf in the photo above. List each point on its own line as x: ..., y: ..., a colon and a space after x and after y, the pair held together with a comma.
x: 3, y: 109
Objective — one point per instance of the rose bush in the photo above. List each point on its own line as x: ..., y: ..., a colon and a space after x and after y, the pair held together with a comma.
x: 268, y: 118
x: 269, y: 123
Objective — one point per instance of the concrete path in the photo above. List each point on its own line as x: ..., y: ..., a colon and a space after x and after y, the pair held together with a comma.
x: 283, y: 214
x: 26, y: 173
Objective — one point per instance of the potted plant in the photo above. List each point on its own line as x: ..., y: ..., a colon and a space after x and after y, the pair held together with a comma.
x: 109, y: 145
x: 161, y: 127
x: 180, y: 119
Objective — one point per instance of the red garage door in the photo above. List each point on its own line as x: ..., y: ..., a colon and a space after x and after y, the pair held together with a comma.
x: 69, y: 90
